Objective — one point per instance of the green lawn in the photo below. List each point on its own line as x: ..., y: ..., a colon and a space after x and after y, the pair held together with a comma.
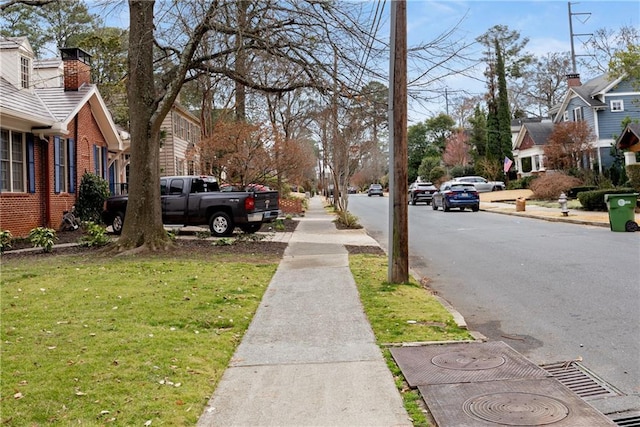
x: 89, y: 342
x: 127, y: 341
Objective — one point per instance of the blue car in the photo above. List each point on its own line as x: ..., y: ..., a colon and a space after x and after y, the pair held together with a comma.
x: 456, y: 195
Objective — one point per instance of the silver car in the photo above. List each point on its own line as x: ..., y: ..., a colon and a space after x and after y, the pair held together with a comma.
x: 482, y: 185
x: 375, y: 190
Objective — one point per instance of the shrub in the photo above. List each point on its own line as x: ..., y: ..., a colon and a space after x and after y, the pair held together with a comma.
x: 550, y: 185
x: 522, y: 183
x: 5, y: 240
x: 96, y: 235
x: 204, y: 234
x: 594, y: 200
x: 573, y: 192
x: 436, y: 174
x: 348, y: 220
x: 43, y: 237
x: 633, y: 173
x: 91, y: 197
x: 223, y: 241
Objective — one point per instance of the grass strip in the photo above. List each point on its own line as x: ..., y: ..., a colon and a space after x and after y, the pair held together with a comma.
x: 402, y: 313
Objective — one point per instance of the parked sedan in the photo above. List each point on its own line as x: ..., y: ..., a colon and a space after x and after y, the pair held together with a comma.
x: 454, y: 194
x: 481, y: 184
x: 421, y: 192
x: 375, y: 190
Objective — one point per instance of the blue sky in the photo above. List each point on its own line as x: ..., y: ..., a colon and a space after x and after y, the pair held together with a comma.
x: 544, y: 22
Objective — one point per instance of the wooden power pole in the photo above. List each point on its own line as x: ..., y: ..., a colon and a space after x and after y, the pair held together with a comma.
x: 398, y: 271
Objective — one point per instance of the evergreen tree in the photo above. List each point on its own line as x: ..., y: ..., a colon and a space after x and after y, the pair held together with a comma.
x: 493, y: 131
x: 478, y: 134
x: 503, y: 114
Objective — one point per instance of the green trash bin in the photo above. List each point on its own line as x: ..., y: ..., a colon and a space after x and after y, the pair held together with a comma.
x: 622, y: 211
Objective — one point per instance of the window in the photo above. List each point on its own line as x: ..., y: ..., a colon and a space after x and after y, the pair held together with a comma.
x: 64, y: 165
x: 176, y: 123
x: 565, y: 116
x: 577, y: 114
x: 25, y: 71
x: 176, y: 185
x: 12, y: 161
x: 617, y: 105
x: 100, y: 157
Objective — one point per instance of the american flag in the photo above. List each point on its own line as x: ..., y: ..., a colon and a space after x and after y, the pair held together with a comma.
x: 507, y: 164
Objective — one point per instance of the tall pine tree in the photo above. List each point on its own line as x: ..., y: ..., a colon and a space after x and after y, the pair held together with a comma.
x: 504, y: 116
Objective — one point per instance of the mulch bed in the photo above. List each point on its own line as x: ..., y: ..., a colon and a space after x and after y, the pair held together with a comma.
x: 192, y: 247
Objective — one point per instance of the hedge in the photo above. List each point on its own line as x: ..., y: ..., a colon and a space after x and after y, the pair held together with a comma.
x: 594, y: 200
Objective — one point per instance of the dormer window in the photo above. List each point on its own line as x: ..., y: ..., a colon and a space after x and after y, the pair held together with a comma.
x: 25, y: 72
x: 617, y: 105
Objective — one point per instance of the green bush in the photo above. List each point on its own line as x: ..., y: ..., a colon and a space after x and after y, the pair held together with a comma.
x: 594, y: 200
x: 522, y: 183
x: 573, y: 192
x: 43, y: 237
x: 348, y: 220
x: 436, y: 174
x: 91, y: 197
x: 95, y: 235
x: 633, y: 173
x: 5, y: 240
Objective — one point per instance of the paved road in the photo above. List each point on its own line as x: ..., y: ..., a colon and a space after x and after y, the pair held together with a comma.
x: 553, y: 291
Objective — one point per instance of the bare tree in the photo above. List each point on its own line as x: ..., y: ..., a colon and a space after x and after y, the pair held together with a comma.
x: 603, y: 45
x: 543, y: 86
x: 568, y: 144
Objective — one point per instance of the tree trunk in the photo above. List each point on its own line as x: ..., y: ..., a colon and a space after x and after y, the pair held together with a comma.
x: 143, y: 227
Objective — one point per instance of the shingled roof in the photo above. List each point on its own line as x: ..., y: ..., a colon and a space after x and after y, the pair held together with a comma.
x: 630, y: 138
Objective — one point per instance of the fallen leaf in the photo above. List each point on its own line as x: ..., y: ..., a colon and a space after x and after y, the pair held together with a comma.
x: 18, y: 395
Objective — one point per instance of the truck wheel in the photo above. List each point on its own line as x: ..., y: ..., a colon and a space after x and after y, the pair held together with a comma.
x: 251, y: 227
x: 117, y: 223
x: 220, y: 224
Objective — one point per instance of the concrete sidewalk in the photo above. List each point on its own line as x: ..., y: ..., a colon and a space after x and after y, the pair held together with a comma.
x: 309, y: 357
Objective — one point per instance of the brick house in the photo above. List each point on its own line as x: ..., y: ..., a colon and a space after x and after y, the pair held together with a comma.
x: 52, y: 131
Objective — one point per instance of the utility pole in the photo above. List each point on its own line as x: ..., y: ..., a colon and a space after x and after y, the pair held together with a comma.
x: 398, y: 270
x: 572, y: 35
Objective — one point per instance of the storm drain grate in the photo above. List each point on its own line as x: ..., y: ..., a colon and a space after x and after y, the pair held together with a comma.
x: 627, y: 419
x: 579, y: 380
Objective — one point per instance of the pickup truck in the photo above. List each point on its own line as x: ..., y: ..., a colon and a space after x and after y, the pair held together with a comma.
x: 197, y: 200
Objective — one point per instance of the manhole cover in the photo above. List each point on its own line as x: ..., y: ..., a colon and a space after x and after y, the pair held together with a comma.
x: 467, y: 360
x: 516, y: 409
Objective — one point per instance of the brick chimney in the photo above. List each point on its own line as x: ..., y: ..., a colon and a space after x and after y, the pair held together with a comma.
x: 77, y: 67
x: 573, y: 80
